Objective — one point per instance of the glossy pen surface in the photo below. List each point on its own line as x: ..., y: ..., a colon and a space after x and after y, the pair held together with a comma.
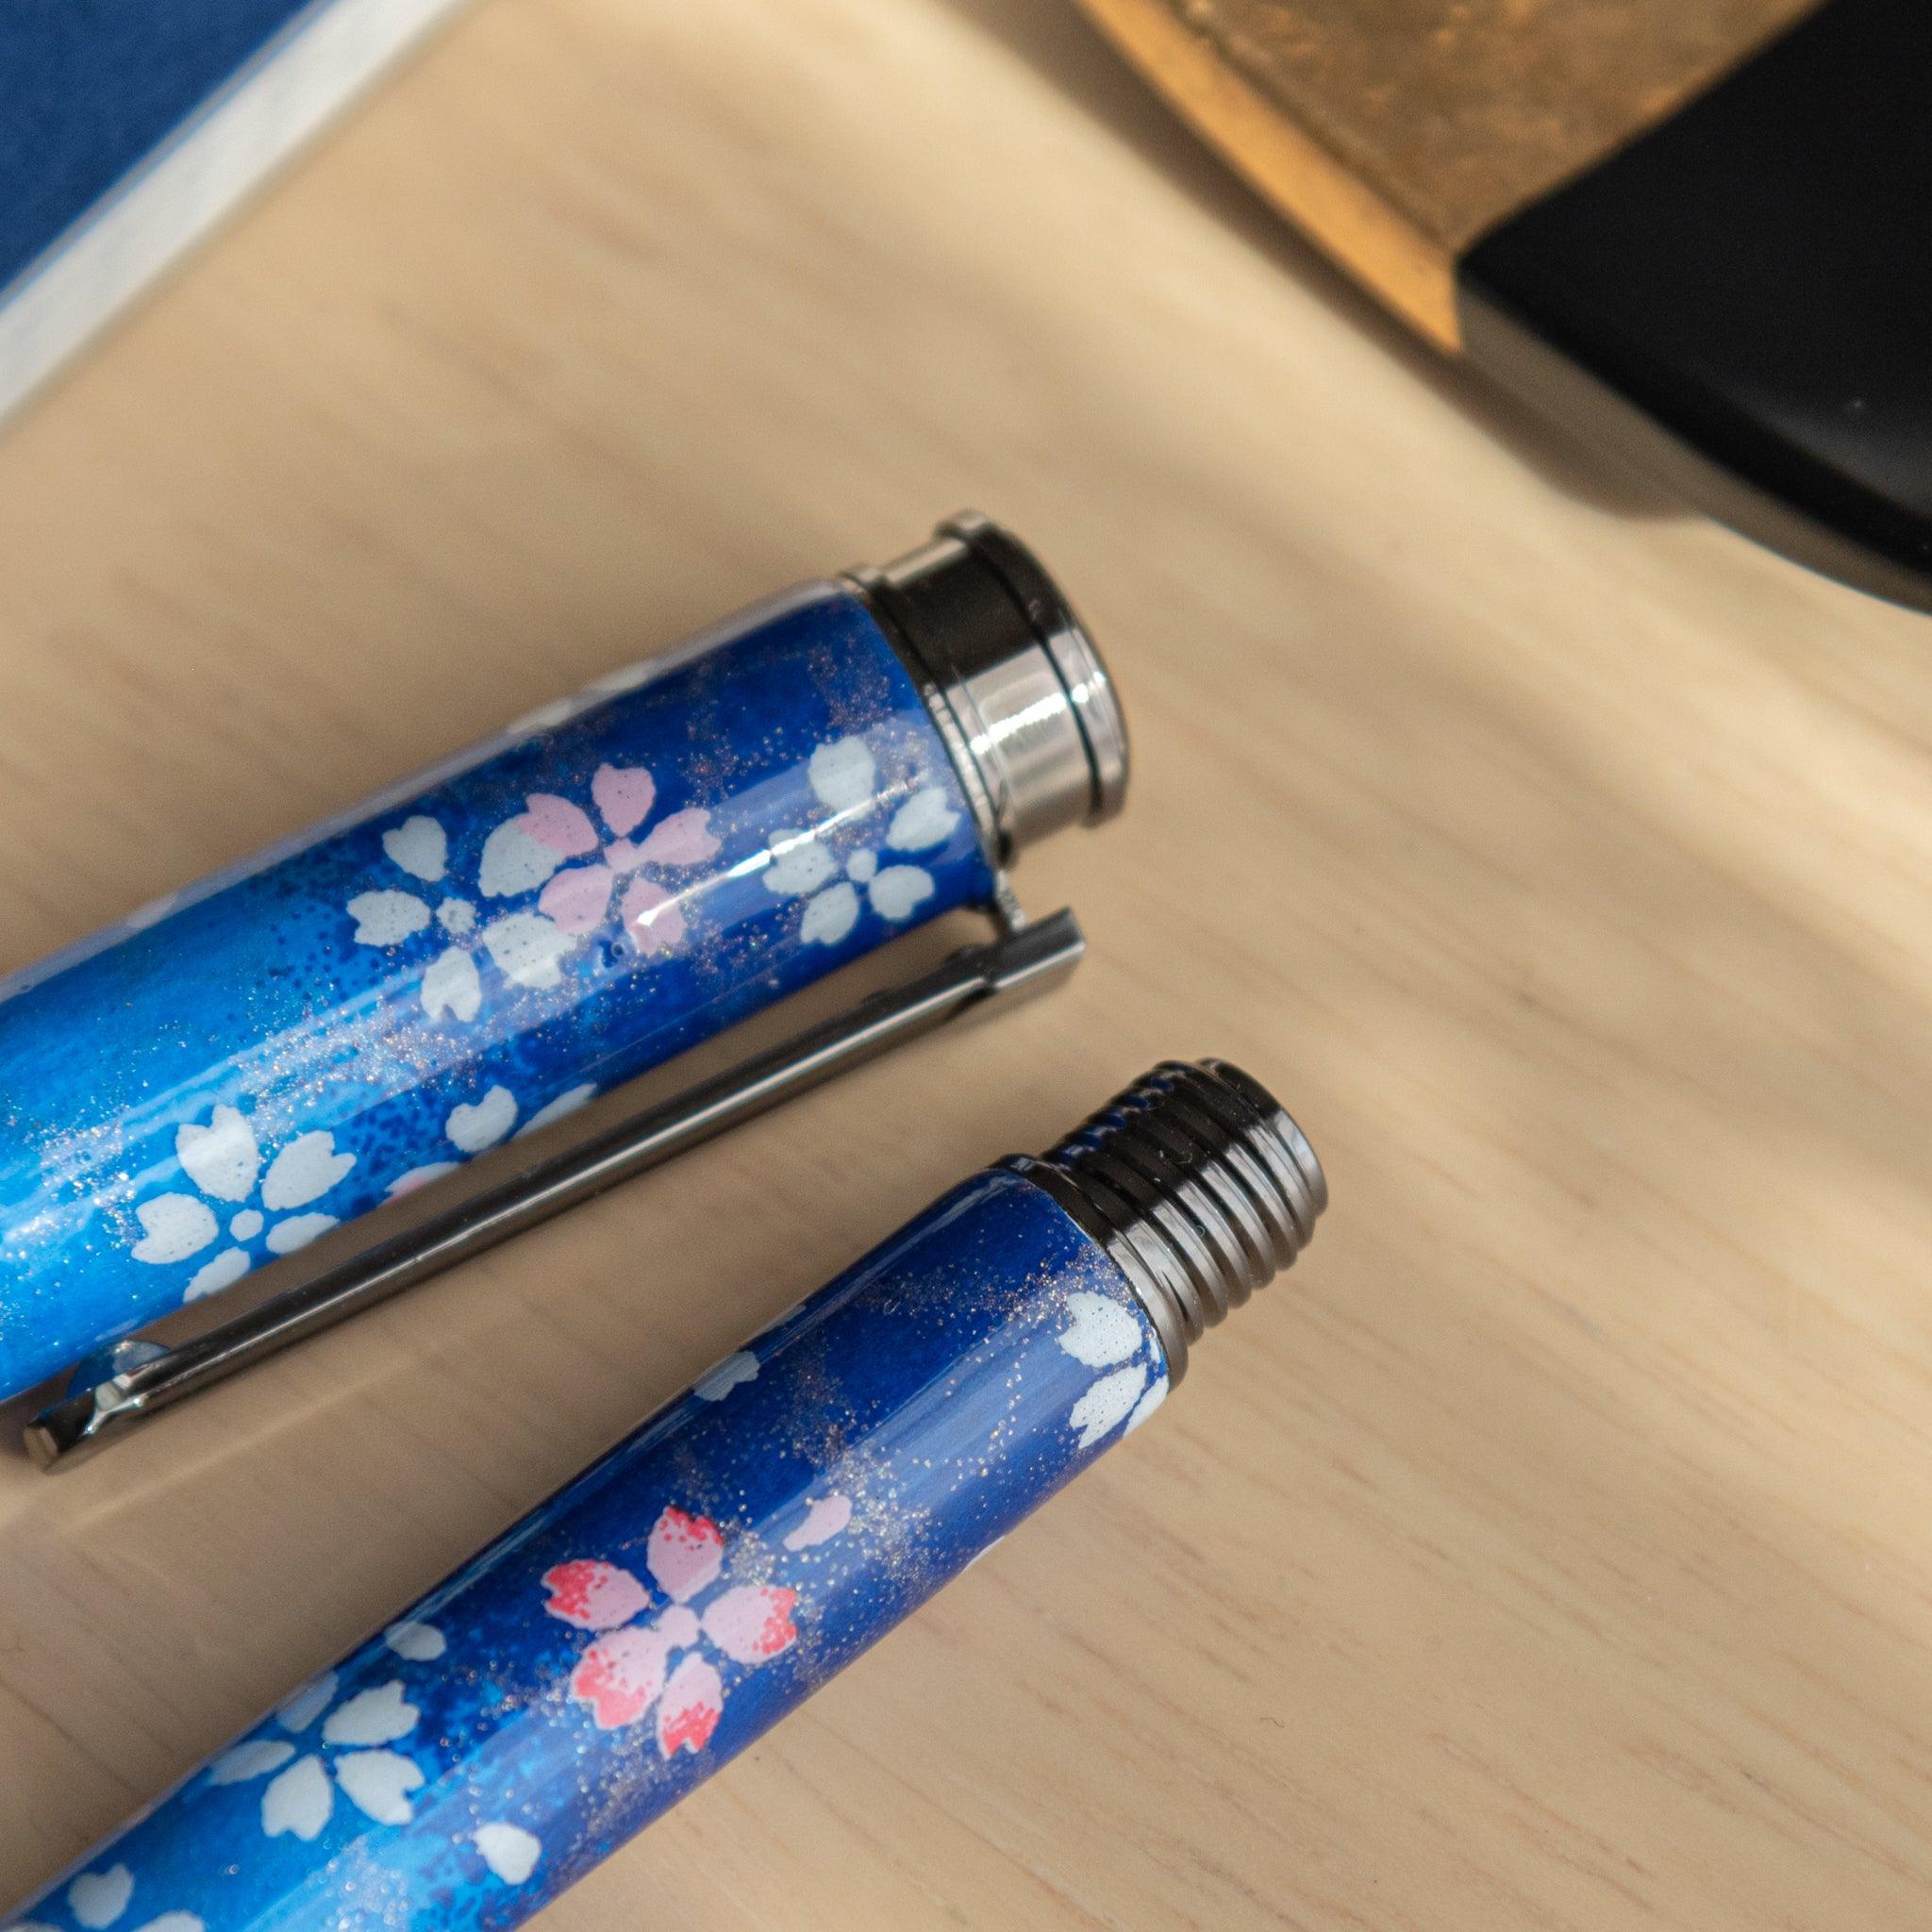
x: 236, y: 1069
x: 659, y: 1613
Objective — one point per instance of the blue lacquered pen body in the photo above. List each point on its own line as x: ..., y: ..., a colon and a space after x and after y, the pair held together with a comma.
x: 239, y: 1068
x: 524, y: 1719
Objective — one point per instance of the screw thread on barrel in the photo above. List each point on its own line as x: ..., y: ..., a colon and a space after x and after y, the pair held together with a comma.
x: 1199, y: 1186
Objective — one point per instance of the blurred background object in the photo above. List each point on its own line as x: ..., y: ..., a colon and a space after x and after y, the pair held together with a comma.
x: 129, y: 128
x: 1692, y: 230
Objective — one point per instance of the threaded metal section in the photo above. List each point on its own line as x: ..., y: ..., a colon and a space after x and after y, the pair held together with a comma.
x: 1199, y: 1186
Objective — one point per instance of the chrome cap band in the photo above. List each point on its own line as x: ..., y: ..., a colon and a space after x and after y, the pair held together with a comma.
x: 1011, y: 678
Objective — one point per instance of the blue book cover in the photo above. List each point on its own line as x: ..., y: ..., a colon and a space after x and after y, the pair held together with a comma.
x: 129, y: 128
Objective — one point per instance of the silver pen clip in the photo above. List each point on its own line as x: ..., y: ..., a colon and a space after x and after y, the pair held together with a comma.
x: 116, y: 1389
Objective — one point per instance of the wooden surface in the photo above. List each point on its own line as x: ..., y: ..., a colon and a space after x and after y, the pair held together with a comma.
x: 1551, y: 1549
x: 1398, y: 132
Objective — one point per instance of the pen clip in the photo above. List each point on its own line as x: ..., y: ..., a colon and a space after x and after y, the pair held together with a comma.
x: 121, y: 1385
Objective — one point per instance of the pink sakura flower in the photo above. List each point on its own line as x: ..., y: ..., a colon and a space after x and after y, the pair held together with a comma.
x: 530, y: 851
x: 629, y: 1668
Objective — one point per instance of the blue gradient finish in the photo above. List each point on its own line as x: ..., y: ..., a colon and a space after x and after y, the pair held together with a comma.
x: 237, y: 1069
x: 662, y: 1611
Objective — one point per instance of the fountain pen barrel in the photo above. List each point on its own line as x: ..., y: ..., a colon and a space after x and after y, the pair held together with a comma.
x: 662, y: 1611
x: 244, y: 1065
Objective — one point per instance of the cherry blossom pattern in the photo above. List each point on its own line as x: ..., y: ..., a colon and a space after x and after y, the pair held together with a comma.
x: 389, y: 916
x: 475, y: 1127
x: 718, y: 1382
x: 824, y: 1518
x: 815, y: 864
x: 527, y: 947
x: 223, y: 1158
x: 349, y: 1750
x: 510, y: 1851
x: 97, y: 1900
x: 1102, y: 1334
x: 629, y: 1669
x: 527, y: 851
x: 530, y: 852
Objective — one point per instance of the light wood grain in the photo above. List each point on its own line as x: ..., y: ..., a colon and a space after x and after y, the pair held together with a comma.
x: 1550, y: 1550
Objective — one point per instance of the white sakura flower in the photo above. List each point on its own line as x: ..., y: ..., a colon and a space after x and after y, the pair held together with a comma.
x: 388, y: 917
x: 1105, y: 1334
x: 510, y: 1851
x: 475, y: 1125
x: 152, y: 913
x: 96, y: 1900
x: 224, y: 1160
x: 718, y: 1382
x: 814, y: 863
x: 418, y: 1643
x: 349, y: 1753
